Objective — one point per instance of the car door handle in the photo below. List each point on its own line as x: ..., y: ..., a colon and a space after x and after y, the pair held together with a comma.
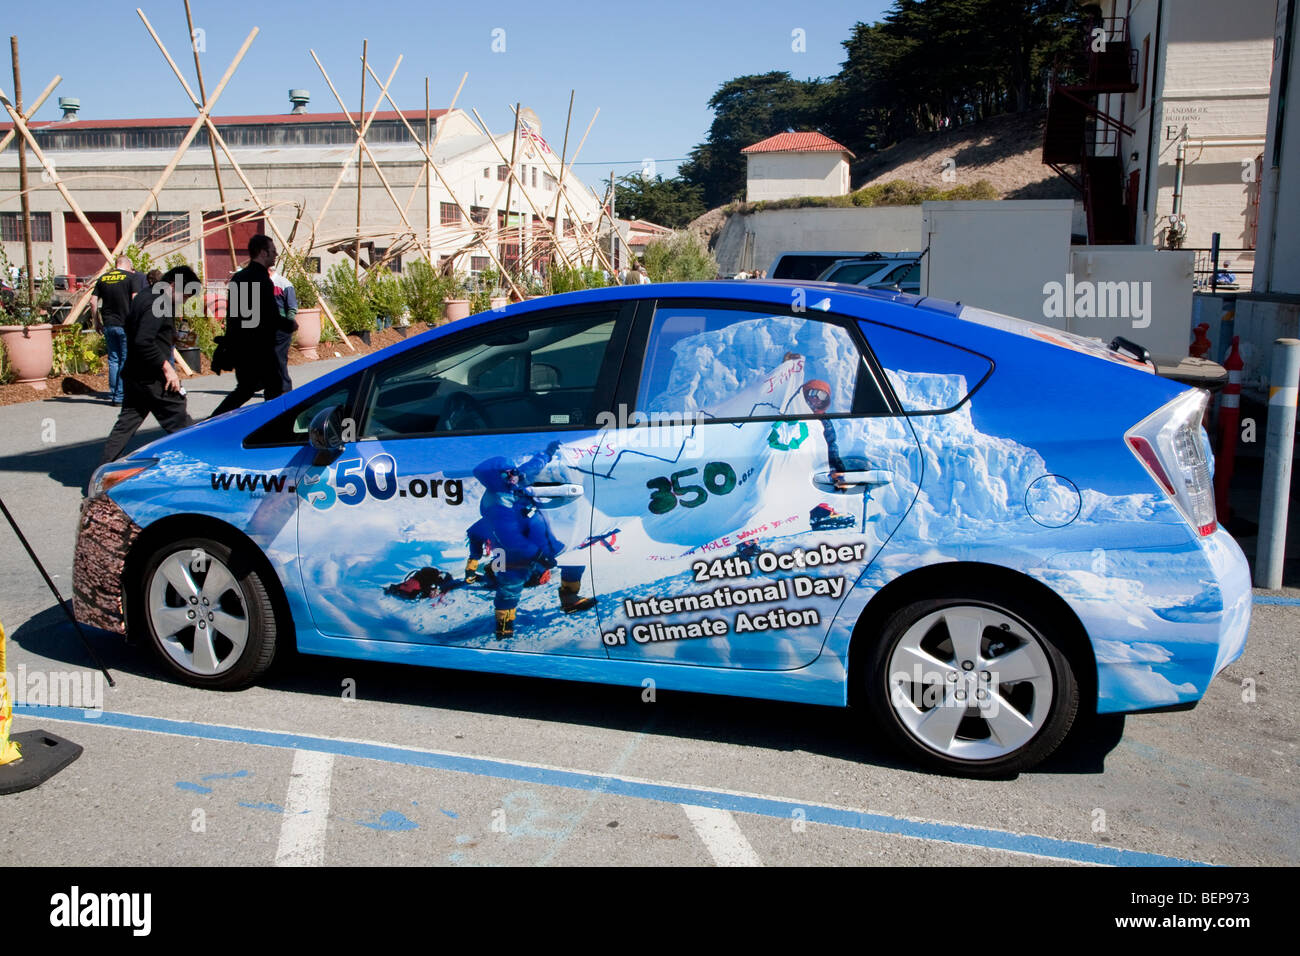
x: 873, y: 477
x: 555, y: 491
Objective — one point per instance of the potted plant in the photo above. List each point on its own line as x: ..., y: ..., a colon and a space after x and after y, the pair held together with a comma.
x: 385, y: 294
x: 352, y: 305
x: 457, y: 306
x: 425, y: 292
x: 27, y: 336
x: 307, y: 338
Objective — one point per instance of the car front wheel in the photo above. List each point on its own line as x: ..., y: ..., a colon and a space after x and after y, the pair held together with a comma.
x: 209, y: 614
x: 972, y: 686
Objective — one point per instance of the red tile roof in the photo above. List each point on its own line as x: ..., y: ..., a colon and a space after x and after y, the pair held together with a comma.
x: 185, y: 121
x: 796, y: 143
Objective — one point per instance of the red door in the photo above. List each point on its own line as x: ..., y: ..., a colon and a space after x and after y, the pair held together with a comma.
x: 217, y: 264
x: 84, y: 258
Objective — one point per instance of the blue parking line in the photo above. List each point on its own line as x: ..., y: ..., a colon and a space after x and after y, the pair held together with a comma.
x: 1274, y: 599
x: 782, y: 809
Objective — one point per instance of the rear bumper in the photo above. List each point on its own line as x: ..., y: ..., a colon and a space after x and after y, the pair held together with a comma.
x: 104, y: 538
x: 1166, y: 653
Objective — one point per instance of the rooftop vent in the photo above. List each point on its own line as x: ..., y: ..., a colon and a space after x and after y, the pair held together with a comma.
x: 70, y: 106
x: 299, y: 99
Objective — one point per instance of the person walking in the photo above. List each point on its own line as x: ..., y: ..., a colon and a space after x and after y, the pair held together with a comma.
x: 252, y: 320
x: 150, y: 383
x: 108, y: 308
x: 286, y: 301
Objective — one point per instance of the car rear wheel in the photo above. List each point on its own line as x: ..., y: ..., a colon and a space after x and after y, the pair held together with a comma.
x: 972, y: 686
x: 209, y: 614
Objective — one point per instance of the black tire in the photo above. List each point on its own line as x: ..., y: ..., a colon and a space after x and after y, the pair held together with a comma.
x: 259, y: 650
x: 1024, y: 621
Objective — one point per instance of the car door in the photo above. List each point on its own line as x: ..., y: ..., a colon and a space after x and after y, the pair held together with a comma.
x: 750, y: 488
x: 451, y: 501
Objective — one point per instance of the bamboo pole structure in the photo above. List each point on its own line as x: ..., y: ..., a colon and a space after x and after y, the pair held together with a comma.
x: 234, y: 163
x: 421, y: 178
x: 374, y: 162
x: 510, y: 175
x: 522, y: 187
x: 347, y: 162
x: 31, y: 110
x: 428, y: 191
x: 24, y: 203
x: 564, y: 152
x: 452, y: 193
x: 216, y: 166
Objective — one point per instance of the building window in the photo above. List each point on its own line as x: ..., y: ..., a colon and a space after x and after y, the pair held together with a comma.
x: 478, y: 215
x: 478, y: 263
x: 163, y: 227
x: 487, y: 172
x: 534, y: 177
x: 1146, y: 59
x: 503, y: 173
x: 449, y: 214
x: 11, y: 227
x: 549, y: 182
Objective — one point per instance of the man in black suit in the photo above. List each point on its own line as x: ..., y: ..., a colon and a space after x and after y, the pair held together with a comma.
x: 252, y: 320
x: 151, y: 385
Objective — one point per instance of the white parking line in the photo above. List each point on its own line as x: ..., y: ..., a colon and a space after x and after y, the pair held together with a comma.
x: 306, y: 810
x: 722, y: 836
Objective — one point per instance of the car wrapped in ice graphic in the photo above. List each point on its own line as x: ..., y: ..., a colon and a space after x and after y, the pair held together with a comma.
x: 972, y: 526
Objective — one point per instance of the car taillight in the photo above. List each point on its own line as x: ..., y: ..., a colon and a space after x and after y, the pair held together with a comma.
x: 1171, y: 445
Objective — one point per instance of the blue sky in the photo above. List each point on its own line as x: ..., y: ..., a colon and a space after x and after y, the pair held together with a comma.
x: 649, y: 68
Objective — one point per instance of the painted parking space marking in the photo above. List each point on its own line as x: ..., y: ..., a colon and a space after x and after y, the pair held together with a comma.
x: 978, y: 837
x: 722, y: 836
x: 306, y: 810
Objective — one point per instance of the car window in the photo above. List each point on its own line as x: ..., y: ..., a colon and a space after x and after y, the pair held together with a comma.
x: 739, y: 363
x: 927, y: 376
x: 291, y: 427
x: 515, y: 377
x: 855, y: 272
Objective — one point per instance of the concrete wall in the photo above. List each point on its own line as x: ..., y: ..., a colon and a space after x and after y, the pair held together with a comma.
x: 754, y: 240
x: 789, y: 175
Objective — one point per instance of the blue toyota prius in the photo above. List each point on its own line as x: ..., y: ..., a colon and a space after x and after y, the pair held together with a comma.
x: 970, y: 525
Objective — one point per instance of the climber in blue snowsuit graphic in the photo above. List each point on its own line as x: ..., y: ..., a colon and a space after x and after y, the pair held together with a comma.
x: 512, y: 521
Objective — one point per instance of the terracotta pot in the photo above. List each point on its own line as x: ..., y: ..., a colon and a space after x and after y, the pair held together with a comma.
x: 308, y: 335
x: 31, y: 352
x: 499, y: 301
x: 454, y: 309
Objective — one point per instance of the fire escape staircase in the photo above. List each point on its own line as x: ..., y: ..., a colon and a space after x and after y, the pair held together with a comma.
x: 1081, y: 135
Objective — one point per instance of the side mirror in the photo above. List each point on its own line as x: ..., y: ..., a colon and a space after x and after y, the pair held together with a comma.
x: 326, y: 430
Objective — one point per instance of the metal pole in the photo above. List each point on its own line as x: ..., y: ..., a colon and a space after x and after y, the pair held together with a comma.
x: 1283, y: 384
x: 22, y: 180
x: 1214, y: 262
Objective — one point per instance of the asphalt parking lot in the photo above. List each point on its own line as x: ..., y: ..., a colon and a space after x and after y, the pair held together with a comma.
x: 431, y: 766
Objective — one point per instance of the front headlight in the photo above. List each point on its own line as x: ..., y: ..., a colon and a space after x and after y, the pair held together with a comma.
x: 115, y: 472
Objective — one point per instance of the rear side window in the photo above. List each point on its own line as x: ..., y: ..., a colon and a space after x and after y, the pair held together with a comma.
x: 927, y: 376
x: 739, y: 364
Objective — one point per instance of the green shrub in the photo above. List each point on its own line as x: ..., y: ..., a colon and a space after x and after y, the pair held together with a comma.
x: 564, y: 279
x: 384, y: 292
x: 425, y: 290
x: 679, y: 258
x: 294, y: 268
x: 22, y: 311
x: 78, y: 351
x: 348, y: 297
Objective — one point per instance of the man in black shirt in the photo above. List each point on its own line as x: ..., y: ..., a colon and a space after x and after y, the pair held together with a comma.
x: 109, y: 305
x: 252, y: 320
x: 152, y: 386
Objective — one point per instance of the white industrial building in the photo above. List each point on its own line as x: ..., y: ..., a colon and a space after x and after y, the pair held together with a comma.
x: 293, y: 161
x: 789, y: 165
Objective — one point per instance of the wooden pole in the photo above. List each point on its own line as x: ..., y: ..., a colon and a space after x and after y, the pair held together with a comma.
x: 230, y: 157
x: 216, y: 167
x: 31, y: 111
x: 436, y: 136
x: 25, y: 203
x: 356, y: 248
x: 510, y: 176
x: 564, y: 151
x: 428, y: 190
